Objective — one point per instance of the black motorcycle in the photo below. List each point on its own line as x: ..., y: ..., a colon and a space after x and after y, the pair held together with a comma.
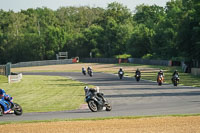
x: 137, y: 77
x: 90, y: 73
x: 175, y: 80
x: 120, y: 74
x: 96, y: 101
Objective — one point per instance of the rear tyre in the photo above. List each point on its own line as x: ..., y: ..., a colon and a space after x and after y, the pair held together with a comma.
x: 17, y: 109
x: 92, y: 106
x: 1, y: 111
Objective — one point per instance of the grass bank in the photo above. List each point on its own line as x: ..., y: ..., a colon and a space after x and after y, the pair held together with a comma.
x: 45, y: 93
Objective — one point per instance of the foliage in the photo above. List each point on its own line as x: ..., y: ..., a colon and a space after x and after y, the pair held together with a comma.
x: 164, y: 32
x: 123, y: 56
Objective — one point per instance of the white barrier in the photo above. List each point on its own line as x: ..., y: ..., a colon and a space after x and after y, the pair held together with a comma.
x: 14, y: 78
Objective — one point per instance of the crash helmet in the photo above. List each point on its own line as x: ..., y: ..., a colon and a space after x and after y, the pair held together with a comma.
x: 86, y: 88
x: 120, y: 68
x: 1, y: 91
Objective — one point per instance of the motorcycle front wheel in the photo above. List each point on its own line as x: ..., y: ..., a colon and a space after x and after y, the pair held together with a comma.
x: 92, y: 106
x: 108, y: 107
x: 175, y: 83
x: 17, y: 109
x: 160, y: 83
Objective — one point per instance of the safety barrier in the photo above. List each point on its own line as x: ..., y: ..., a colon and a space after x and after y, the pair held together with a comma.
x: 42, y: 63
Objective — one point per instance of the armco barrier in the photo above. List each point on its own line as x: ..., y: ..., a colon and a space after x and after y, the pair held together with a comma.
x: 130, y: 60
x: 42, y: 63
x: 149, y: 62
x: 99, y: 60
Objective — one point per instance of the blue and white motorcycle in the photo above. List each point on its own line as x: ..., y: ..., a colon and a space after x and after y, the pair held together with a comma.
x: 8, y: 107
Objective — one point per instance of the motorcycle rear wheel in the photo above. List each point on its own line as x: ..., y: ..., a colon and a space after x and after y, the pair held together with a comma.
x: 1, y: 111
x: 92, y: 106
x: 17, y: 109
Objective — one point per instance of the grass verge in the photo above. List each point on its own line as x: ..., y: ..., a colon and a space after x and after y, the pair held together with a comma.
x: 45, y: 93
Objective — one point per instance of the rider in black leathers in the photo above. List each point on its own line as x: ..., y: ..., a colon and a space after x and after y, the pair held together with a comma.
x: 120, y: 70
x: 137, y: 72
x: 175, y: 73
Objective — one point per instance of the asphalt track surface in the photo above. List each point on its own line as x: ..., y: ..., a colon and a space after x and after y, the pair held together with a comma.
x: 128, y: 98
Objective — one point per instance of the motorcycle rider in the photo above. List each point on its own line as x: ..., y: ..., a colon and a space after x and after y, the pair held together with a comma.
x: 175, y: 73
x: 160, y: 73
x: 83, y: 70
x: 5, y: 97
x: 89, y: 69
x: 120, y: 70
x: 137, y: 72
x: 91, y: 91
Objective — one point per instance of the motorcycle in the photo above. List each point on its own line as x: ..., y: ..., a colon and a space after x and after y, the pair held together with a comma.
x: 84, y: 71
x: 160, y: 79
x: 175, y: 80
x: 96, y: 101
x: 90, y: 73
x: 10, y: 107
x: 120, y: 73
x: 137, y: 77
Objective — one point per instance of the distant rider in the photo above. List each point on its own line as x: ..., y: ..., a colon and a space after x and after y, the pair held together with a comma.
x: 83, y: 70
x: 137, y: 72
x: 160, y: 73
x: 175, y: 73
x: 120, y: 71
x: 89, y: 69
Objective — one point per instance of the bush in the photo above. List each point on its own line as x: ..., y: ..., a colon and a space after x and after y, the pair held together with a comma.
x: 123, y: 56
x: 147, y: 56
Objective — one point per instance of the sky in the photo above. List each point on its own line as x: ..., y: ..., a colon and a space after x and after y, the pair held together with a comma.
x: 18, y: 5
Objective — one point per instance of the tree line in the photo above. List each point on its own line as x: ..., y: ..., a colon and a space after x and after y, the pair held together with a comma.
x: 150, y: 32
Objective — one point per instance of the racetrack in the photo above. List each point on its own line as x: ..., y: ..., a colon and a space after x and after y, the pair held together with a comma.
x: 128, y: 98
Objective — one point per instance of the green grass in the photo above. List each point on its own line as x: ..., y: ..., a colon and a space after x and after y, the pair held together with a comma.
x: 45, y: 93
x: 3, y: 79
x: 186, y: 79
x: 100, y: 118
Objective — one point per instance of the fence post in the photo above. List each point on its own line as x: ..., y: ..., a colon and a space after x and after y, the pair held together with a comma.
x: 8, y: 67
